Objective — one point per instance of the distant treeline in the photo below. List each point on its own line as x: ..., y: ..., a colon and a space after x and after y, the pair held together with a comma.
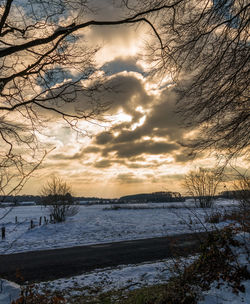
x: 154, y: 197
x: 38, y: 199
x: 237, y: 194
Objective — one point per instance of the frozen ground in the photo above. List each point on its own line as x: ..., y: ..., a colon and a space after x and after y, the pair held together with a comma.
x: 94, y: 224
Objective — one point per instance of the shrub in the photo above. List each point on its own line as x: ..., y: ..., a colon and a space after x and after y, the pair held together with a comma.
x: 58, y: 199
x: 202, y: 184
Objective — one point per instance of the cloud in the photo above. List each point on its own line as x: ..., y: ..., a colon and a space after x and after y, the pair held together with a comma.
x: 186, y: 155
x: 132, y: 149
x: 129, y: 178
x: 126, y: 90
x: 92, y: 149
x: 103, y: 138
x: 164, y: 119
x: 103, y: 164
x: 121, y: 64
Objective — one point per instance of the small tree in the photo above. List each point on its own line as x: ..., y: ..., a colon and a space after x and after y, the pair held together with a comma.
x: 203, y: 185
x: 58, y: 199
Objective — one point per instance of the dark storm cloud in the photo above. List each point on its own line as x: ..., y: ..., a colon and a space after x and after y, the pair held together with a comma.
x: 103, y: 138
x: 164, y: 121
x: 186, y: 155
x: 160, y: 133
x: 132, y: 149
x: 126, y: 92
x: 120, y: 65
x: 161, y: 122
x: 128, y: 136
x: 105, y: 163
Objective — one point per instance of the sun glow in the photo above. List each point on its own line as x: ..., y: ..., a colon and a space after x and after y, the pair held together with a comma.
x: 139, y: 123
x: 122, y: 117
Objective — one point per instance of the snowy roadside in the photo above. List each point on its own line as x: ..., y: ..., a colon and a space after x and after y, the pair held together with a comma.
x: 123, y: 277
x: 129, y: 277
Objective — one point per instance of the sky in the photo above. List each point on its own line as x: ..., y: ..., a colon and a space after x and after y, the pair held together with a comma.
x: 137, y: 146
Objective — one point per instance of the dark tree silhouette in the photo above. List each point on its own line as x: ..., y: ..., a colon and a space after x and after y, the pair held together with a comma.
x: 47, y: 71
x: 205, y: 47
x: 202, y: 185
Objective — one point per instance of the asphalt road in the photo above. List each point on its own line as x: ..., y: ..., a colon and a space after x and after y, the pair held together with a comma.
x: 37, y: 266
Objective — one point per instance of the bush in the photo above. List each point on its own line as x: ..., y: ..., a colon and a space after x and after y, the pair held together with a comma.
x: 58, y: 200
x: 202, y: 185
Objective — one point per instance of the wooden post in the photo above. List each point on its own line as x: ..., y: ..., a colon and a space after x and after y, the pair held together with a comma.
x: 40, y: 221
x: 31, y: 224
x: 16, y: 219
x: 3, y: 233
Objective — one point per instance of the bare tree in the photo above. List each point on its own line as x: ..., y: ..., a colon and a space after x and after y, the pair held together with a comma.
x: 205, y: 47
x: 58, y: 199
x: 47, y: 72
x: 203, y: 184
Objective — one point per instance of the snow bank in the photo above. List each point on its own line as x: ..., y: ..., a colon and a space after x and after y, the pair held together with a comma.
x: 9, y: 291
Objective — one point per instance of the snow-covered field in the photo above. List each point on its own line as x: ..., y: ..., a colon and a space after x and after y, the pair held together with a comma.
x: 95, y: 224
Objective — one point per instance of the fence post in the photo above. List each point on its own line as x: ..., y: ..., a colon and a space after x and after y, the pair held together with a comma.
x: 31, y: 224
x: 40, y: 221
x: 16, y: 219
x: 3, y: 233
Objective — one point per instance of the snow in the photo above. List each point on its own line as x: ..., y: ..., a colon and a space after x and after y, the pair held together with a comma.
x: 94, y: 224
x: 125, y: 277
x: 224, y: 294
x: 9, y: 291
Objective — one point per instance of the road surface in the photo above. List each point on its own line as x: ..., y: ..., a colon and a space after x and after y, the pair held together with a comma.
x: 38, y: 266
